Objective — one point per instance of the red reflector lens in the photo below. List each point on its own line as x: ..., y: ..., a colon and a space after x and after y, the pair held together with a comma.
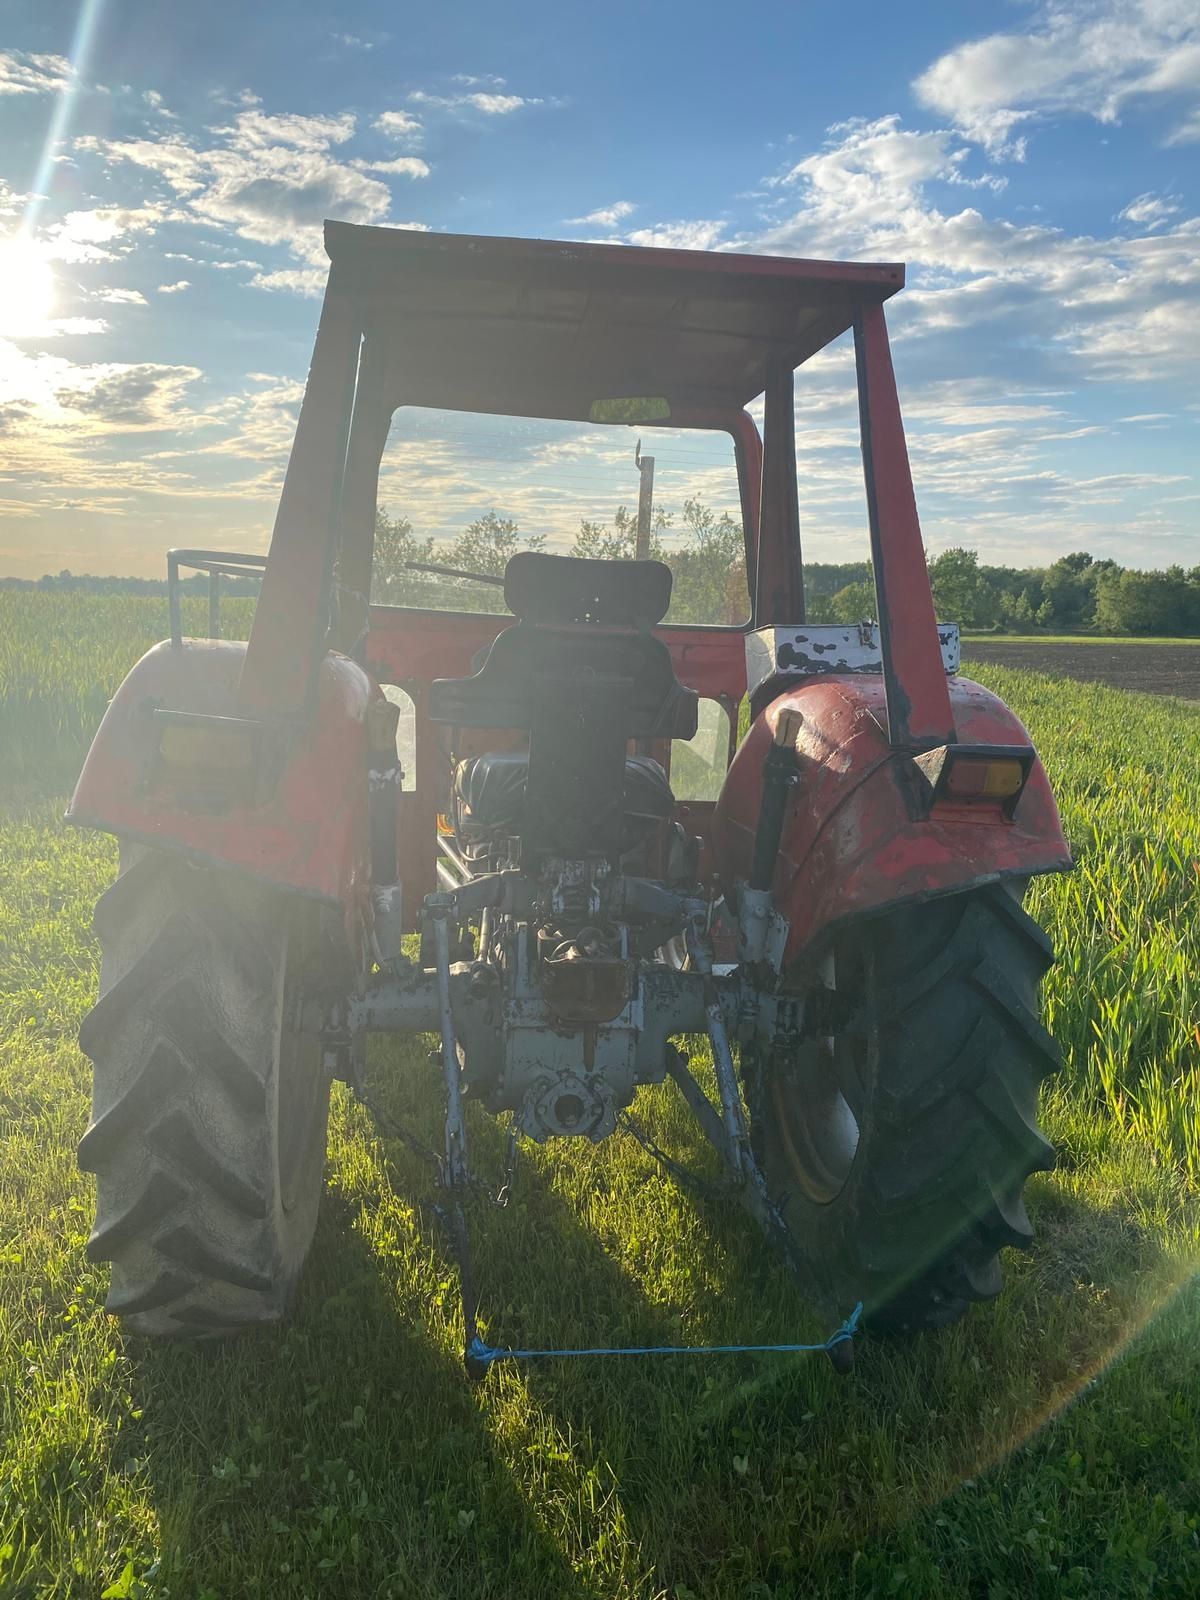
x: 991, y: 779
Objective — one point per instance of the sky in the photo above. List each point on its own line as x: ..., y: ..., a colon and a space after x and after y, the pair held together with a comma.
x: 165, y: 169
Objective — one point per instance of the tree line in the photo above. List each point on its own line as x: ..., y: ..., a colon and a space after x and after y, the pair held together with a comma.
x: 1075, y: 594
x: 703, y: 548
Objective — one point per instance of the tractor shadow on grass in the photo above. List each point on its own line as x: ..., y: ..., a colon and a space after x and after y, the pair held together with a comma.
x: 729, y: 1468
x: 348, y: 1452
x: 342, y: 1454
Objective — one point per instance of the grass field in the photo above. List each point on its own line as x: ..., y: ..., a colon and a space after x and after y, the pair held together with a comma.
x: 1049, y: 1446
x: 1075, y: 638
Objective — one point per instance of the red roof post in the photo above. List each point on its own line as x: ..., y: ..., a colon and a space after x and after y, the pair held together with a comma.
x: 779, y: 579
x: 287, y: 639
x: 369, y: 426
x: 918, y: 698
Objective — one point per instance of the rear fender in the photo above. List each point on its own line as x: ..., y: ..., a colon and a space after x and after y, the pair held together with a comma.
x: 301, y: 825
x: 853, y: 841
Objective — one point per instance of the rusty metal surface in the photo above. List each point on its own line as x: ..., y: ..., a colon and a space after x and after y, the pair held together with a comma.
x: 854, y: 839
x: 310, y: 832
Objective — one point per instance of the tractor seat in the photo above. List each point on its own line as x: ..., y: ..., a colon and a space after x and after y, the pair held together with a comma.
x: 492, y: 789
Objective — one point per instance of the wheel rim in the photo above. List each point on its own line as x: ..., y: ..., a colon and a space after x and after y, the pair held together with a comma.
x: 818, y: 1129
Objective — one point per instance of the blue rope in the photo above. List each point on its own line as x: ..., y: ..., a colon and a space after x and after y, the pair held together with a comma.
x: 477, y: 1350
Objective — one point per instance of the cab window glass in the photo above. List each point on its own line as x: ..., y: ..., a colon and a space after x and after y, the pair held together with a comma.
x: 699, y: 764
x: 461, y: 492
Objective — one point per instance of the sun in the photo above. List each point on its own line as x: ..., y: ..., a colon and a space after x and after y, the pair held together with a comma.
x: 27, y: 289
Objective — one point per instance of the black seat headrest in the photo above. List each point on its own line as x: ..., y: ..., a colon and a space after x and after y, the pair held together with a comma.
x: 557, y: 589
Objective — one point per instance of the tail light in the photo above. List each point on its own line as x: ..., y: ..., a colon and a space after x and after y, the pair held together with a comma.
x: 213, y: 762
x: 977, y: 774
x: 192, y: 743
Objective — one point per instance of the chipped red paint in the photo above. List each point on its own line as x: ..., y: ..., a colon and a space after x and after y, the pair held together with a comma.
x: 851, y: 843
x: 310, y: 832
x: 287, y: 638
x: 918, y: 707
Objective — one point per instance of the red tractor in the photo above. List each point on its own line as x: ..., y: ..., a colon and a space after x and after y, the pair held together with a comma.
x: 843, y: 921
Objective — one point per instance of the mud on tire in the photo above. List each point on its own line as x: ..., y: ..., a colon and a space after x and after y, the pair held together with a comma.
x: 940, y: 1063
x: 209, y: 1113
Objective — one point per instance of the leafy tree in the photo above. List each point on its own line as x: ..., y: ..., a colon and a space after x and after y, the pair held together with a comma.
x: 855, y: 603
x: 1017, y: 612
x: 619, y: 543
x: 1148, y: 602
x: 710, y: 568
x: 961, y: 593
x: 489, y: 543
x: 396, y: 545
x: 1067, y: 591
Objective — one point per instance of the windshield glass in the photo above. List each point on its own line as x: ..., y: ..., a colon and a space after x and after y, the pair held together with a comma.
x: 466, y: 491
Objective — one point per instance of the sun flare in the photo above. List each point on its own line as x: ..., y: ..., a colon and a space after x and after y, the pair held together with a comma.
x: 27, y: 290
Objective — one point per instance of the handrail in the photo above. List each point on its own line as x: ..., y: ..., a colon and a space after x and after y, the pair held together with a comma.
x: 216, y: 563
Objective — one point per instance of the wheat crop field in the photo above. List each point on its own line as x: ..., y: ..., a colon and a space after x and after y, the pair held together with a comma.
x: 1047, y: 1446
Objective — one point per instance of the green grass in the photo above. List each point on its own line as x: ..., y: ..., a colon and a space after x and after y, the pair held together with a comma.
x: 1071, y: 638
x: 1048, y: 1447
x: 61, y: 659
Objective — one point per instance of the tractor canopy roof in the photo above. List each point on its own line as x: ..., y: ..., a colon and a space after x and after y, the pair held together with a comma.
x: 551, y: 329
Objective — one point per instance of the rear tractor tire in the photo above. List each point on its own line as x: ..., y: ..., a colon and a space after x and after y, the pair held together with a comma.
x: 210, y: 1106
x: 900, y: 1145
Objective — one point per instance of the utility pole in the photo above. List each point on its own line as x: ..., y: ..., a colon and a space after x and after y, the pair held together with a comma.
x: 645, y: 465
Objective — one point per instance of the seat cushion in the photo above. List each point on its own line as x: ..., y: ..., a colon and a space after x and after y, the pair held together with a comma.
x: 492, y: 787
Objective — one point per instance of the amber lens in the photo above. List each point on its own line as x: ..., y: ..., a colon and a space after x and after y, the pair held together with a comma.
x: 206, y: 748
x: 983, y: 780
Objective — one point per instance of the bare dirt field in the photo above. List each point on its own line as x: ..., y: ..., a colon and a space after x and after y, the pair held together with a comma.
x: 1151, y: 668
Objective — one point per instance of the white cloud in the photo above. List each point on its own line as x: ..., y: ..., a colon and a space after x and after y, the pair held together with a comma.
x: 697, y: 235
x: 255, y: 130
x: 498, y: 105
x: 405, y: 166
x: 1112, y: 308
x: 1149, y: 211
x: 1092, y: 57
x: 1188, y: 131
x: 309, y: 281
x: 606, y: 216
x: 33, y: 74
x: 271, y: 179
x: 174, y: 288
x: 120, y: 297
x: 86, y: 236
x: 397, y: 124
x: 107, y: 395
x: 490, y: 104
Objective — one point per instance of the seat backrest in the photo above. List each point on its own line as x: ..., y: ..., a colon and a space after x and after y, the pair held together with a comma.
x: 624, y: 594
x: 503, y: 693
x: 582, y: 687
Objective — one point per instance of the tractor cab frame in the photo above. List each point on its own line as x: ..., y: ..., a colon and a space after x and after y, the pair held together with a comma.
x: 573, y: 927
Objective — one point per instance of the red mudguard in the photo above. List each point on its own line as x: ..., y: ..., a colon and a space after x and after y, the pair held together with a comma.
x: 306, y: 829
x: 851, y: 841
